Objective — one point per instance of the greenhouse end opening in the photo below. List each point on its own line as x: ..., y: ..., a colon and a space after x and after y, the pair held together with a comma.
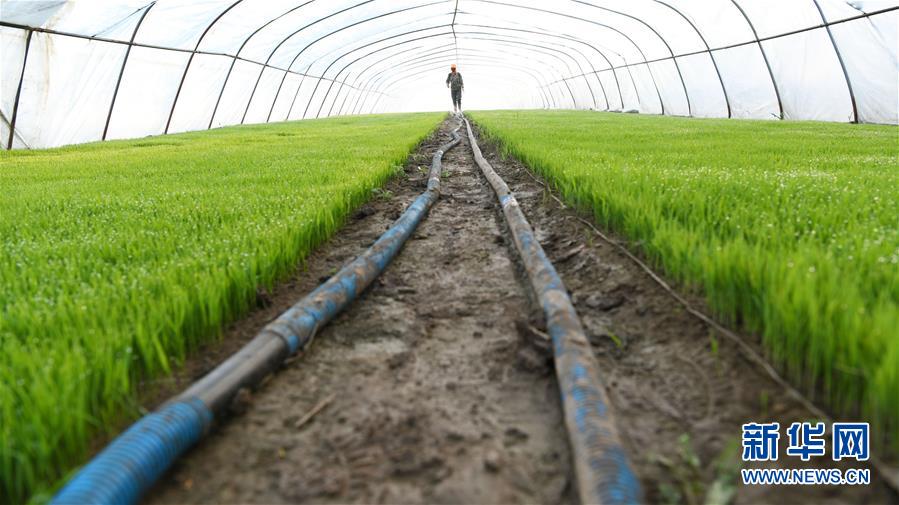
x: 449, y: 251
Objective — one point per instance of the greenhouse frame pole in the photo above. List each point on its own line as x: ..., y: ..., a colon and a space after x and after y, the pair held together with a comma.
x: 563, y: 37
x: 659, y: 35
x: 595, y: 72
x: 540, y: 86
x: 755, y: 40
x: 553, y: 46
x: 284, y: 77
x: 836, y: 50
x: 576, y: 40
x: 453, y: 26
x: 509, y: 43
x: 281, y: 85
x: 358, y: 76
x: 755, y: 34
x: 661, y: 103
x: 415, y: 77
x: 278, y: 46
x: 418, y: 30
x: 15, y: 106
x: 708, y: 49
x: 597, y: 23
x: 312, y: 96
x: 324, y: 99
x: 328, y: 92
x: 379, y: 79
x: 428, y: 58
x: 566, y: 84
x: 118, y: 83
x: 382, y: 78
x: 422, y: 68
x: 602, y: 87
x: 237, y: 56
x: 297, y: 56
x: 190, y: 60
x: 433, y: 58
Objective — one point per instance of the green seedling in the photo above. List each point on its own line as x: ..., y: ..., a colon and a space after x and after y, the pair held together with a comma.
x: 789, y: 229
x: 117, y: 259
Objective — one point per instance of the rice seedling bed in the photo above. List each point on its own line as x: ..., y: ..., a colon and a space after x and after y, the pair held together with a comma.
x: 790, y: 229
x: 118, y: 259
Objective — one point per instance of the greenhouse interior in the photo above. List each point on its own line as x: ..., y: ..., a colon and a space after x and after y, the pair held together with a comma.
x: 449, y: 251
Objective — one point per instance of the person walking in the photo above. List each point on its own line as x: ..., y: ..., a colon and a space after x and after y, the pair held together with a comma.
x: 454, y: 82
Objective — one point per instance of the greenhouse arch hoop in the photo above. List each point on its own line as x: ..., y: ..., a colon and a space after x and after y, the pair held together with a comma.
x: 83, y: 71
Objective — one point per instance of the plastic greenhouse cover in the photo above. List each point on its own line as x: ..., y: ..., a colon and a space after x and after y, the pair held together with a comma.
x: 80, y: 70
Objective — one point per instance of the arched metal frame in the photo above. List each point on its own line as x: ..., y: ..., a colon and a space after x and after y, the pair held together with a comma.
x: 366, y: 85
x: 319, y: 20
x: 376, y: 82
x: 583, y: 56
x: 780, y: 105
x: 661, y: 103
x: 314, y: 61
x: 405, y: 71
x: 836, y: 50
x: 15, y: 107
x: 297, y: 93
x: 580, y: 41
x: 191, y: 59
x: 665, y: 42
x: 433, y: 58
x: 274, y: 101
x: 596, y: 23
x: 365, y: 93
x: 429, y: 57
x: 244, y: 44
x: 327, y: 93
x: 305, y: 48
x: 406, y: 78
x: 356, y: 79
x: 707, y: 48
x: 383, y: 80
x: 118, y: 82
x: 552, y: 35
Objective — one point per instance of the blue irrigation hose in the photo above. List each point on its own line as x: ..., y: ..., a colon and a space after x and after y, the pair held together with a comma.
x: 604, y: 474
x: 136, y: 459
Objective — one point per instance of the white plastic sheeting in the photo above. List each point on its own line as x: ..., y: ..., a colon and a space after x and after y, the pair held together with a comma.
x: 81, y: 70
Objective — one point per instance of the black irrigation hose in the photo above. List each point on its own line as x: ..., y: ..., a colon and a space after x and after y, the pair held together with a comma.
x: 604, y: 474
x: 136, y: 459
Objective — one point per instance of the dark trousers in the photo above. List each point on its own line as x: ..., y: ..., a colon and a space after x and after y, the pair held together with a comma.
x: 457, y: 98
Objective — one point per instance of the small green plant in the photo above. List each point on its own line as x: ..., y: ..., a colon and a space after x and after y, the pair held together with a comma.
x: 727, y: 470
x: 689, y: 483
x: 686, y: 479
x: 763, y: 404
x: 382, y: 194
x: 618, y: 343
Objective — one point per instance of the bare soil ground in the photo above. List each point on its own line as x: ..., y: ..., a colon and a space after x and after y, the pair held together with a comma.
x: 436, y: 386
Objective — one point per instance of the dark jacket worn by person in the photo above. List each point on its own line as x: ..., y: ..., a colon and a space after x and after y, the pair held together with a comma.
x: 454, y: 81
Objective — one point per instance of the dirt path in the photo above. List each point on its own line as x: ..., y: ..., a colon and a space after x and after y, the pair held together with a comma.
x: 431, y: 401
x: 436, y: 386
